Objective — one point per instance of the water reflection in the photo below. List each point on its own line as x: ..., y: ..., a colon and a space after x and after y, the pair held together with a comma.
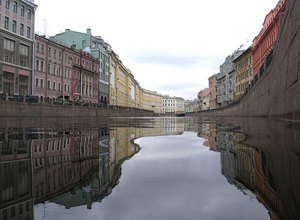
x: 75, y: 166
x: 258, y: 171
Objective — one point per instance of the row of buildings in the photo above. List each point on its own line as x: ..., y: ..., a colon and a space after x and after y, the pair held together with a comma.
x: 243, y: 66
x: 68, y: 66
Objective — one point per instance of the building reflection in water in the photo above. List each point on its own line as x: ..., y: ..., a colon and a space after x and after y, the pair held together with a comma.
x: 78, y: 166
x: 68, y: 166
x: 16, y: 198
x: 244, y: 167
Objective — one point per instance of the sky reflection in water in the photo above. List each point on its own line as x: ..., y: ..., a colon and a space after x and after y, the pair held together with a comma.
x: 172, y: 177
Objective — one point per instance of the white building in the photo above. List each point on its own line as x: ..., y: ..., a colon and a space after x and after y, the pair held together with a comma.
x: 173, y: 104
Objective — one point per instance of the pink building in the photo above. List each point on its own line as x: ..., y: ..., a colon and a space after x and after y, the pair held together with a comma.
x: 263, y: 42
x: 85, y: 76
x: 53, y: 69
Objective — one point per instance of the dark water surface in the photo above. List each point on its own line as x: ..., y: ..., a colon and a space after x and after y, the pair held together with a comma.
x: 149, y: 168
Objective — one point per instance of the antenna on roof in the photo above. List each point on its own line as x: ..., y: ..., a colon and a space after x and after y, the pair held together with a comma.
x: 45, y: 27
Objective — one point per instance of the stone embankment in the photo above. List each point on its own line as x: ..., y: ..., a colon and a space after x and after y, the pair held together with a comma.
x: 24, y: 109
x: 276, y: 92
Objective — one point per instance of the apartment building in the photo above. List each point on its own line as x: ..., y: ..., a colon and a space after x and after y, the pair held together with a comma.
x: 16, y: 46
x: 52, y: 70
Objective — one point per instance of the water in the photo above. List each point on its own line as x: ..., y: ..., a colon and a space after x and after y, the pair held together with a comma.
x: 149, y: 168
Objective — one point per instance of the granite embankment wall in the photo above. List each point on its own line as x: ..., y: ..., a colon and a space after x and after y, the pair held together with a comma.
x: 23, y: 109
x: 277, y: 91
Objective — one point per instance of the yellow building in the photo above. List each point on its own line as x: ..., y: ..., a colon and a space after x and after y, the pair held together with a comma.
x: 114, y: 63
x: 151, y: 100
x: 244, y: 72
x: 212, y: 81
x: 124, y: 89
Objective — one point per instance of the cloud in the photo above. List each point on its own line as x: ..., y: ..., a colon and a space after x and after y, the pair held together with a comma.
x: 172, y: 58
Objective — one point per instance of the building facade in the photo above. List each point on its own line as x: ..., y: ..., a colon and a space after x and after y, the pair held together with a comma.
x: 124, y: 88
x: 173, y: 104
x: 244, y: 72
x: 212, y: 82
x: 85, y: 71
x: 263, y: 42
x: 96, y: 46
x: 203, y: 99
x: 16, y: 46
x: 151, y: 100
x: 226, y: 80
x: 52, y: 70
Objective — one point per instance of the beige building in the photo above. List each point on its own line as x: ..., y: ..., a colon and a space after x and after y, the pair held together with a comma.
x: 16, y: 47
x: 244, y: 72
x: 124, y: 89
x: 191, y: 105
x: 212, y: 82
x: 173, y: 104
x: 203, y: 99
x: 151, y: 100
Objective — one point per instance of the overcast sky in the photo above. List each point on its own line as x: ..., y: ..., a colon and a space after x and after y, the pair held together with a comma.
x: 170, y: 46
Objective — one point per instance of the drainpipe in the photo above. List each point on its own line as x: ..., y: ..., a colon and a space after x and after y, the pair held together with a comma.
x: 33, y: 52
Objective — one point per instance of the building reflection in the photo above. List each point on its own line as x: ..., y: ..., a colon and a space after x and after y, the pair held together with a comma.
x: 78, y: 166
x: 245, y: 167
x: 16, y: 198
x: 208, y: 132
x: 69, y: 166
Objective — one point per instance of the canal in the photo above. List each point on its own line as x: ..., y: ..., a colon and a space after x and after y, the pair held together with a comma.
x: 149, y: 168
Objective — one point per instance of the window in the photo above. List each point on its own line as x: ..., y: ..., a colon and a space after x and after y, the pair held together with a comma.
x: 54, y: 68
x: 22, y: 29
x: 54, y: 86
x: 15, y: 8
x: 54, y: 54
x: 28, y: 32
x: 42, y: 83
x: 24, y: 55
x: 49, y: 51
x: 68, y: 88
x: 65, y: 87
x: 48, y: 85
x: 37, y: 47
x: 59, y: 56
x: 36, y: 82
x: 7, y: 4
x: 49, y: 68
x: 29, y: 14
x: 42, y: 48
x: 6, y: 21
x: 9, y: 50
x: 23, y: 84
x: 42, y: 66
x: 22, y: 10
x: 14, y: 26
x: 37, y: 65
x: 59, y: 87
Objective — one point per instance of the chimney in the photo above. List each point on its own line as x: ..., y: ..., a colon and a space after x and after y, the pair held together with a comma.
x: 88, y: 37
